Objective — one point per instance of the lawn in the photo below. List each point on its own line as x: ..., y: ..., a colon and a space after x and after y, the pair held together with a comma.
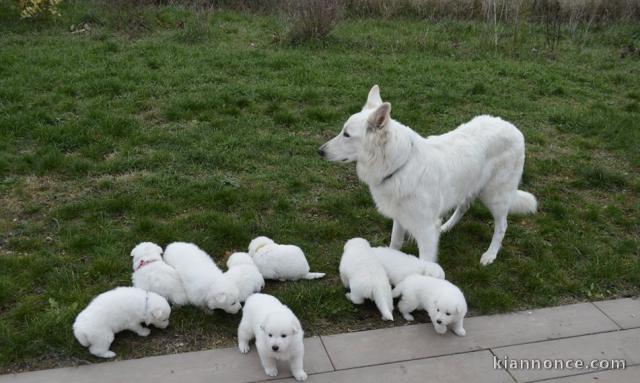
x: 208, y: 134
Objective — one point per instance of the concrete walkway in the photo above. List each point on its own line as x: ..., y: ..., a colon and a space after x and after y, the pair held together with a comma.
x: 607, y: 330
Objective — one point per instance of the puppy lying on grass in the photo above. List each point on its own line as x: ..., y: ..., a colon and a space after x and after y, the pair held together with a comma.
x: 245, y: 274
x: 365, y: 277
x: 280, y: 262
x: 443, y: 301
x: 151, y: 273
x: 205, y: 284
x: 122, y: 308
x: 277, y: 331
x: 399, y: 265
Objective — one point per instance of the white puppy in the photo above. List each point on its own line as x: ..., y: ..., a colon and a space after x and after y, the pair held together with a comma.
x: 122, y: 308
x: 365, y: 276
x: 399, y: 265
x: 281, y: 262
x: 244, y: 273
x: 205, y: 284
x: 151, y: 273
x: 277, y: 331
x: 443, y: 301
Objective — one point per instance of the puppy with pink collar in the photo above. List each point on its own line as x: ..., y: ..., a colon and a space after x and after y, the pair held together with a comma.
x: 151, y: 273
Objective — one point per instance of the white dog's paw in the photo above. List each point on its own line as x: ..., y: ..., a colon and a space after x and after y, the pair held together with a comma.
x: 143, y: 332
x: 243, y: 348
x: 408, y: 317
x: 300, y: 376
x: 487, y: 258
x: 440, y: 329
x: 106, y: 354
x: 460, y: 331
x: 271, y: 371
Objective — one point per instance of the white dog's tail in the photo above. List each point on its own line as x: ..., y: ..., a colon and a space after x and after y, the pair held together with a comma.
x: 384, y: 301
x: 314, y: 275
x: 523, y: 203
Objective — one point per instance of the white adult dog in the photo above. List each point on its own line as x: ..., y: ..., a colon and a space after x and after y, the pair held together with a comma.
x: 205, y: 284
x: 244, y: 273
x: 151, y: 273
x: 415, y: 181
x: 363, y: 274
x: 399, y: 265
x: 280, y: 262
x: 277, y: 331
x: 443, y: 301
x: 123, y: 308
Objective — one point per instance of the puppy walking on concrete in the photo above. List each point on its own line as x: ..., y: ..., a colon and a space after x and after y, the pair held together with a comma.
x: 277, y: 331
x: 443, y: 301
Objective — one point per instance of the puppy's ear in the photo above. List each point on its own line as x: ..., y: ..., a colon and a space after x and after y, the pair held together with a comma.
x: 295, y: 325
x: 373, y: 99
x: 221, y: 297
x: 380, y: 117
x: 156, y: 314
x: 458, y: 309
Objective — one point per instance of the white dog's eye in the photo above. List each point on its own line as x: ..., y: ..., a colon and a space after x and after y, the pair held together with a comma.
x: 346, y: 134
x: 448, y: 314
x: 270, y: 335
x: 284, y: 335
x: 438, y: 310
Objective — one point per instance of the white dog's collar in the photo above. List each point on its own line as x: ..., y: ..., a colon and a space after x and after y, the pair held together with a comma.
x: 143, y: 263
x: 393, y: 173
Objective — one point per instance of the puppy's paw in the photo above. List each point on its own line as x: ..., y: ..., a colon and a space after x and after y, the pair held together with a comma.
x: 143, y: 332
x: 271, y: 371
x: 487, y: 258
x: 106, y: 354
x: 408, y: 317
x: 300, y: 376
x: 243, y: 348
x: 460, y: 332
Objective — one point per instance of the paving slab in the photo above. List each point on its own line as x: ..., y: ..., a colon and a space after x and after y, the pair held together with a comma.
x: 474, y: 367
x: 220, y: 365
x: 628, y: 375
x: 625, y: 312
x: 421, y: 341
x: 624, y: 344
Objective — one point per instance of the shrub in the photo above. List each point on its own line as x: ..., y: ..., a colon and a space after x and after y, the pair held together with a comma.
x: 38, y: 8
x: 311, y: 19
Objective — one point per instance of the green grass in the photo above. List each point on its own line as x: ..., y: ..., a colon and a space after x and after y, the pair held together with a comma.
x: 208, y: 134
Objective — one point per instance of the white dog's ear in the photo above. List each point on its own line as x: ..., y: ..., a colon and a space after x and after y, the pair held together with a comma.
x: 458, y: 309
x: 374, y: 99
x: 221, y: 297
x: 295, y: 325
x: 156, y: 314
x: 380, y: 117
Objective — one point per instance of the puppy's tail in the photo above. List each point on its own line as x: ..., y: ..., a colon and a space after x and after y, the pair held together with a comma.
x: 314, y: 275
x: 384, y: 301
x: 523, y: 203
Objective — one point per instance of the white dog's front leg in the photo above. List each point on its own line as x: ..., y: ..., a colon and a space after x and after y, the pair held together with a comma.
x: 140, y: 330
x: 269, y: 364
x: 427, y: 239
x: 397, y: 235
x: 297, y: 369
x: 458, y: 328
